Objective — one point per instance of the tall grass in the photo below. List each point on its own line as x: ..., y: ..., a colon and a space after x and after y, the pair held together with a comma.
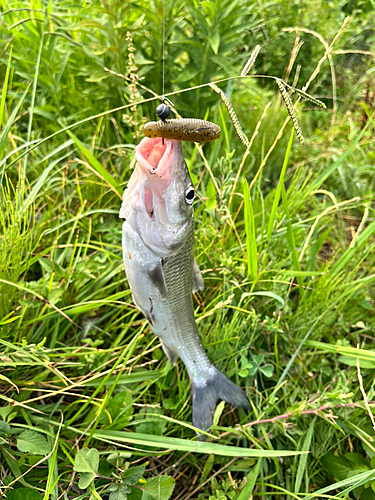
x: 90, y: 407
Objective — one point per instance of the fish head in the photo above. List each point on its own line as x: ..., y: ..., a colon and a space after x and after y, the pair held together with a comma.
x: 158, y: 201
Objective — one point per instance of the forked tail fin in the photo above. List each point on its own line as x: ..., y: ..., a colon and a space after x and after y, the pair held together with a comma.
x: 204, y: 399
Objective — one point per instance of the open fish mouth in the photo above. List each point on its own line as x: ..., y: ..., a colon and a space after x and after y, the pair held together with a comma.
x: 157, y: 155
x: 152, y: 150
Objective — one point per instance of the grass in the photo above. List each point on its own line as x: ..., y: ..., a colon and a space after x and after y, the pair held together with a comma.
x: 90, y: 407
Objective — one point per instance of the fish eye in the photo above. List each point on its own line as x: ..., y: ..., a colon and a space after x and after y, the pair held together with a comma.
x: 189, y: 195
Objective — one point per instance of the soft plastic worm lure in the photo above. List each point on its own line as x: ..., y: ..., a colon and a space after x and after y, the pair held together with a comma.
x: 184, y: 129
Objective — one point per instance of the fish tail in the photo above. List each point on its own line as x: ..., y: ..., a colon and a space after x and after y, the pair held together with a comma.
x: 204, y: 399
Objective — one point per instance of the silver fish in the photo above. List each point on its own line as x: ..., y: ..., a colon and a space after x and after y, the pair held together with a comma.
x: 158, y: 251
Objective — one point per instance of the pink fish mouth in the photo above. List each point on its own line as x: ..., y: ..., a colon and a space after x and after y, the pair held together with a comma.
x: 152, y: 150
x: 153, y: 154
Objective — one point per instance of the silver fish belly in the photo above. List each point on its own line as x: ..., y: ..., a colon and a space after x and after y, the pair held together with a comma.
x: 158, y: 251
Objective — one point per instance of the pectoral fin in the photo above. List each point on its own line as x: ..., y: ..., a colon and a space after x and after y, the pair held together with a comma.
x: 156, y: 275
x: 198, y: 284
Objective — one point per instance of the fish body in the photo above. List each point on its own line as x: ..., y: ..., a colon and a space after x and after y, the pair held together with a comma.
x: 158, y: 251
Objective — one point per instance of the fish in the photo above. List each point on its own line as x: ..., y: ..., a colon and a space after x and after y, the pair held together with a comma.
x: 158, y: 253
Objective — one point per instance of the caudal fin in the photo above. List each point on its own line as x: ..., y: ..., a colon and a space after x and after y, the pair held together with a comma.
x: 204, y: 399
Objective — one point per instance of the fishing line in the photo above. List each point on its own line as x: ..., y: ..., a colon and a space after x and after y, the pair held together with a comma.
x: 163, y: 109
x: 163, y: 48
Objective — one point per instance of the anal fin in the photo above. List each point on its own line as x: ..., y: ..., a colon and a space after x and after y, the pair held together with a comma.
x: 146, y: 313
x: 197, y: 283
x: 172, y: 356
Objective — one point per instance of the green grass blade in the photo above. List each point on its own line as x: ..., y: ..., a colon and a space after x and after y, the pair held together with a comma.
x: 293, y: 358
x: 169, y: 443
x: 351, y: 483
x: 9, y: 123
x: 96, y: 165
x: 123, y: 358
x: 13, y: 466
x: 292, y: 272
x: 128, y: 379
x: 245, y: 494
x: 251, y: 243
x: 40, y: 297
x: 5, y: 87
x: 271, y: 222
x: 316, y: 247
x: 272, y: 295
x: 291, y: 238
x: 53, y: 474
x: 316, y: 183
x: 41, y: 180
x: 224, y: 128
x: 352, y: 352
x: 303, y: 459
x: 347, y: 256
x: 126, y: 353
x: 33, y: 94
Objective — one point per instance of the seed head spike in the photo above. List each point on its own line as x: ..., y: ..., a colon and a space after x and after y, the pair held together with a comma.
x: 250, y: 61
x: 236, y: 124
x: 308, y: 97
x: 290, y: 109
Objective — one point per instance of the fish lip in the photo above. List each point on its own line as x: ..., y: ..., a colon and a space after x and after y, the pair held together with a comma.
x: 160, y: 169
